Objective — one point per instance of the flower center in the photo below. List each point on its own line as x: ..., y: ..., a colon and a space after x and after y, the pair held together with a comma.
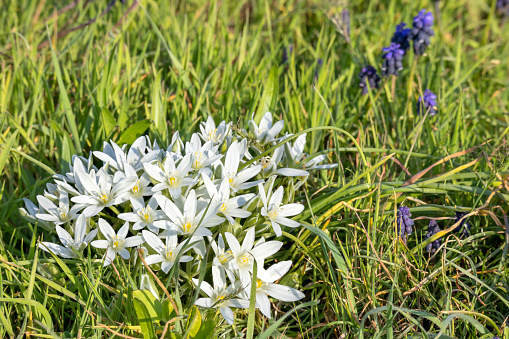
x: 115, y: 244
x: 197, y: 163
x: 169, y: 254
x: 224, y: 206
x: 259, y: 283
x: 225, y: 257
x: 244, y: 260
x: 274, y: 212
x: 186, y: 227
x: 173, y: 181
x: 145, y: 213
x: 213, y: 135
x: 265, y: 161
x: 104, y: 198
x: 136, y: 189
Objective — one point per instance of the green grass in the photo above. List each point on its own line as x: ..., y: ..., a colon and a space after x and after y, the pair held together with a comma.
x: 166, y: 68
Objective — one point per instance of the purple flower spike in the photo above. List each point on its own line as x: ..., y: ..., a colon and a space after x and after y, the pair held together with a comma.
x: 432, y: 230
x: 404, y: 222
x: 422, y: 31
x: 402, y: 36
x: 464, y: 226
x: 392, y: 59
x: 369, y: 76
x: 427, y: 103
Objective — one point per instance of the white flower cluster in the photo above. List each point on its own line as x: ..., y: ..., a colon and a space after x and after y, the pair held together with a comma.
x: 175, y: 201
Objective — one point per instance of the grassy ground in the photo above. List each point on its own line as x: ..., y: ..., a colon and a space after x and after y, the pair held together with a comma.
x: 64, y: 91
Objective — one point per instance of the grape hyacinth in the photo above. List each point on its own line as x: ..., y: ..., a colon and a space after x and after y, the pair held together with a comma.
x: 427, y: 103
x: 404, y: 222
x: 392, y: 60
x: 369, y: 76
x: 432, y: 230
x: 464, y: 226
x: 401, y: 36
x: 503, y: 7
x: 422, y: 31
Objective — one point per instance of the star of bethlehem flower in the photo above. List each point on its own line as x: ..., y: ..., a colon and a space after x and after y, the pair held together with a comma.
x: 266, y: 132
x: 238, y: 180
x: 30, y: 214
x: 209, y: 131
x: 276, y: 212
x: 295, y: 155
x: 61, y: 214
x: 144, y: 216
x: 229, y: 207
x: 222, y: 256
x: 193, y: 219
x: 202, y: 155
x: 266, y: 286
x: 220, y: 296
x: 270, y: 166
x: 166, y: 253
x: 171, y: 176
x: 100, y: 192
x: 244, y: 256
x: 140, y: 187
x: 71, y: 246
x: 115, y: 243
x: 117, y: 158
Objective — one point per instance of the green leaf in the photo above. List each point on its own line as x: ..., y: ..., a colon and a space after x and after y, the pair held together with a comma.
x: 168, y: 310
x: 153, y: 306
x: 146, y: 322
x: 66, y: 103
x: 193, y: 322
x: 269, y: 95
x: 7, y: 149
x: 32, y: 303
x: 134, y: 131
x: 108, y: 121
x: 206, y: 330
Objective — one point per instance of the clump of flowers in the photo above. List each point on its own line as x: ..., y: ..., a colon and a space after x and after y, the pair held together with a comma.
x: 393, y: 59
x: 213, y: 190
x: 464, y: 227
x: 432, y: 230
x: 401, y: 36
x: 404, y: 222
x: 368, y: 75
x: 427, y: 103
x: 422, y: 31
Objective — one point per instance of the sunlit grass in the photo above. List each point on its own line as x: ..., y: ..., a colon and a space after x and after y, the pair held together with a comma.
x: 168, y: 67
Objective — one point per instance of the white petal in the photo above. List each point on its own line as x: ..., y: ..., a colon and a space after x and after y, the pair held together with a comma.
x: 154, y: 259
x: 227, y: 314
x: 100, y: 243
x: 204, y: 302
x: 153, y: 241
x: 266, y: 249
x: 283, y: 293
x: 124, y: 253
x: 233, y: 243
x: 263, y: 304
x: 106, y: 229
x: 291, y: 210
x: 122, y: 232
x: 155, y: 172
x: 133, y: 241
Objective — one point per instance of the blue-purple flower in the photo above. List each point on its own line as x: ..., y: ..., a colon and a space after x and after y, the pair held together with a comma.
x: 432, y: 230
x: 404, y: 222
x: 368, y: 75
x: 422, y: 31
x: 503, y: 6
x: 287, y: 54
x: 393, y: 57
x: 427, y: 103
x: 402, y: 36
x: 464, y: 226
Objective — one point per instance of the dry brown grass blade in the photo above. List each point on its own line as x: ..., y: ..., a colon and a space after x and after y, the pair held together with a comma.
x: 159, y: 282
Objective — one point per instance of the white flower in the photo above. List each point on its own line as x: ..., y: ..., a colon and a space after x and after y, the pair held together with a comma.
x: 229, y: 207
x: 265, y: 286
x: 265, y: 132
x: 140, y: 187
x: 202, y: 156
x: 278, y: 213
x: 270, y: 166
x: 245, y: 255
x: 171, y: 177
x: 117, y: 158
x: 30, y: 214
x: 238, y: 181
x: 100, y: 191
x: 295, y: 156
x: 220, y: 296
x: 144, y: 216
x: 115, y: 242
x: 192, y: 220
x: 71, y: 246
x: 62, y: 213
x: 167, y: 254
x: 222, y: 257
x: 209, y: 132
x: 148, y: 284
